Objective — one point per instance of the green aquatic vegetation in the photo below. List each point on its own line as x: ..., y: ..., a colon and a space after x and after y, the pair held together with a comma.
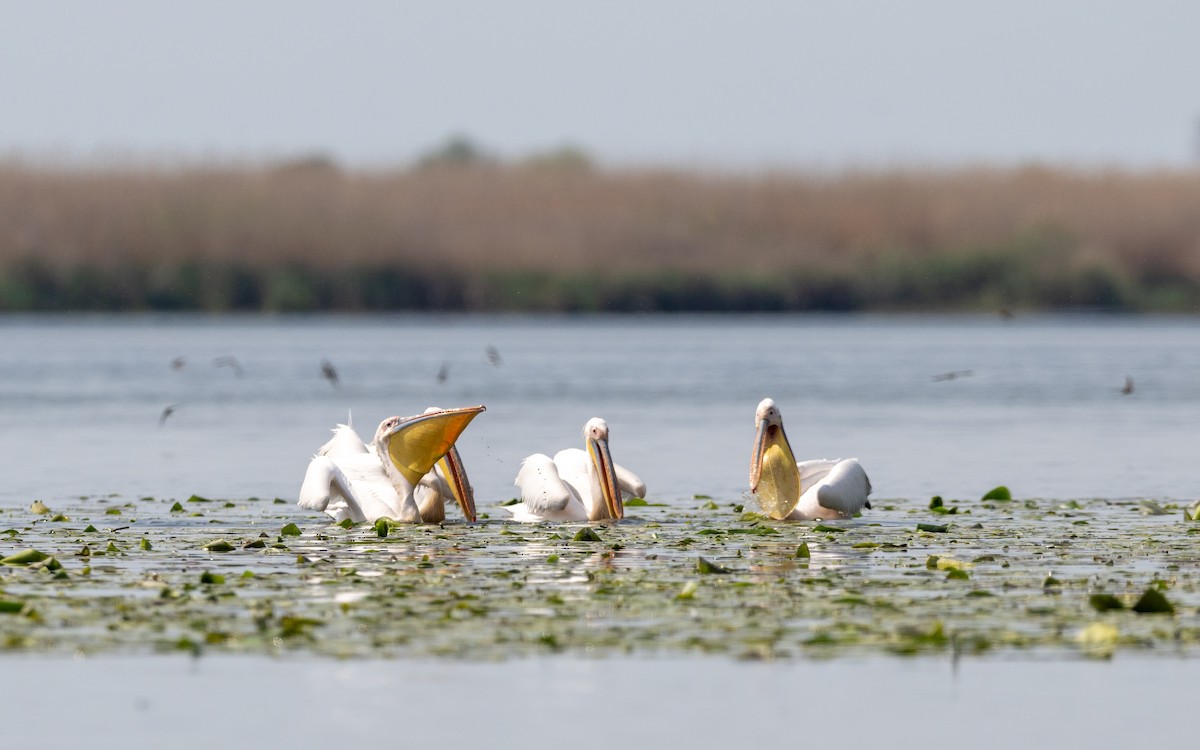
x: 24, y: 557
x: 1105, y: 602
x: 494, y: 589
x: 11, y: 607
x: 708, y: 567
x: 937, y: 505
x: 1153, y: 601
x: 1099, y: 639
x: 1000, y: 493
x: 586, y: 534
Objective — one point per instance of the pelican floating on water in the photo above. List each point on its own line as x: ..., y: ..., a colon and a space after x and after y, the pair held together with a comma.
x: 576, y: 485
x: 394, y: 476
x: 798, y: 491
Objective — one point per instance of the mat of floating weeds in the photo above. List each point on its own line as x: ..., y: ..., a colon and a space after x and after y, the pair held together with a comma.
x: 695, y: 576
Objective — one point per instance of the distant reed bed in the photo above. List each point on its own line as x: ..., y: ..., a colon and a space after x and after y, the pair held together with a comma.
x: 567, y: 237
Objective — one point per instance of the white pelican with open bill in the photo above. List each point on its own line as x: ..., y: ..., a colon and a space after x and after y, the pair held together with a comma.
x: 576, y: 485
x: 349, y: 479
x: 446, y: 483
x: 798, y: 491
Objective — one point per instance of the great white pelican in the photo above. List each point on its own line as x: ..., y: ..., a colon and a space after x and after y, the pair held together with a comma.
x: 446, y: 482
x: 801, y: 490
x: 576, y: 485
x: 349, y: 479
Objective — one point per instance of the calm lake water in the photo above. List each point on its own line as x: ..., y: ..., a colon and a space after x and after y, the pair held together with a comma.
x: 579, y: 703
x: 1039, y: 408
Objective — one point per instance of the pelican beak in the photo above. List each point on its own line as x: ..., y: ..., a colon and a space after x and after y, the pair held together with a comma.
x: 456, y: 474
x: 774, y: 478
x: 417, y: 443
x: 598, y: 451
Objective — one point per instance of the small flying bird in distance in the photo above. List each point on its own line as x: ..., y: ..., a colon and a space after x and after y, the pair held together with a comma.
x: 162, y: 419
x: 493, y: 355
x: 329, y: 373
x: 232, y: 363
x: 953, y: 375
x: 178, y: 363
x: 443, y: 372
x: 1128, y: 388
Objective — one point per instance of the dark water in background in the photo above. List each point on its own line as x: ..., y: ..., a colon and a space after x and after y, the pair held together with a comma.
x: 1041, y: 411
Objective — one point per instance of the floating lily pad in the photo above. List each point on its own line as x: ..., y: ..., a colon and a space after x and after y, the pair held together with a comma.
x: 587, y: 534
x: 937, y: 505
x: 1105, y: 602
x: 1099, y: 639
x: 25, y: 557
x: 1000, y: 493
x: 1153, y: 601
x: 707, y: 566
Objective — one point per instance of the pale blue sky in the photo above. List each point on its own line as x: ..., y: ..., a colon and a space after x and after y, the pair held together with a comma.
x: 748, y: 83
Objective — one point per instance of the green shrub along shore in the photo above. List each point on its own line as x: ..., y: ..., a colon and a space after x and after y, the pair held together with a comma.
x: 563, y: 236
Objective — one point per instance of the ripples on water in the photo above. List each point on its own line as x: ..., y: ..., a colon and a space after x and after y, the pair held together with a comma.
x: 1041, y: 409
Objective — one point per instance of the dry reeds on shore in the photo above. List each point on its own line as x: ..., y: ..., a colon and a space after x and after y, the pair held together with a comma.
x: 308, y: 235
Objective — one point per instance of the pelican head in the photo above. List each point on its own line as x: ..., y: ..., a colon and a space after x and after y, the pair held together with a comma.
x: 774, y: 477
x: 456, y: 475
x: 414, y: 444
x: 595, y: 435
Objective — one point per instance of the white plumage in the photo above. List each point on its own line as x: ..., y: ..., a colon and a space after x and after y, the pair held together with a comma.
x: 350, y: 479
x: 576, y: 485
x: 801, y: 490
